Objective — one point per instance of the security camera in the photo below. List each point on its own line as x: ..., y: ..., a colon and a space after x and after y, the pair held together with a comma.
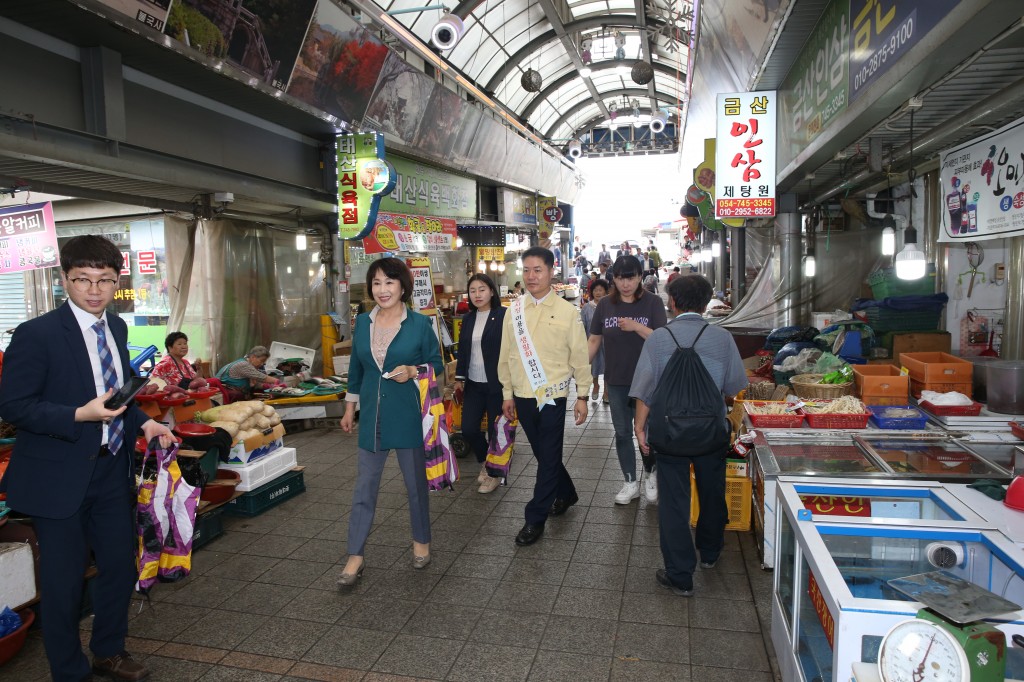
x: 447, y: 31
x: 658, y: 122
x: 575, y: 149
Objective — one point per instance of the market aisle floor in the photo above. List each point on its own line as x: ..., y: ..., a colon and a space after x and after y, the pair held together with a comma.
x: 582, y: 604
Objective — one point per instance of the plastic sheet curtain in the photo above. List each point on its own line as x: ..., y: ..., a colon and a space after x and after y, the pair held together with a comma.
x: 248, y: 286
x: 844, y: 261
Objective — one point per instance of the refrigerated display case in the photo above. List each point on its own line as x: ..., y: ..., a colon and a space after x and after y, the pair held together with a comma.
x: 832, y: 602
x: 880, y: 457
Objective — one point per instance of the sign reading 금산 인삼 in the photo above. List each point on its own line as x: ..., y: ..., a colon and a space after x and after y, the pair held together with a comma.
x: 745, y: 155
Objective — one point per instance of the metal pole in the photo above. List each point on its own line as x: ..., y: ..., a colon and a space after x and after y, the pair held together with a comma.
x: 787, y: 228
x: 738, y: 264
x: 1013, y: 322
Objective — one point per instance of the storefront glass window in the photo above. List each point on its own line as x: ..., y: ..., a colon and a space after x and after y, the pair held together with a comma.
x: 141, y: 299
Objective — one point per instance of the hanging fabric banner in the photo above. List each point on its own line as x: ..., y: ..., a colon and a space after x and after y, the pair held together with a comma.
x: 983, y: 187
x: 411, y: 234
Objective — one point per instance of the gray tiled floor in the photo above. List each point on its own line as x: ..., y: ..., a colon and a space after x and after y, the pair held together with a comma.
x: 581, y: 604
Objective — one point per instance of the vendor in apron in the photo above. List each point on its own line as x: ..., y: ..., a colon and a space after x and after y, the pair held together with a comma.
x: 174, y: 368
x: 243, y: 375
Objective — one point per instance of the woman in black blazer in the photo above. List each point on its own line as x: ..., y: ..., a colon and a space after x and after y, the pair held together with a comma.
x: 476, y: 372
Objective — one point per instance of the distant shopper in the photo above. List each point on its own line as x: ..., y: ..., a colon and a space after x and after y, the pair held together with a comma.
x: 624, y: 250
x: 621, y: 324
x: 674, y: 274
x: 517, y: 289
x: 476, y: 372
x: 604, y: 257
x: 687, y: 298
x: 598, y: 290
x: 389, y: 344
x: 543, y: 349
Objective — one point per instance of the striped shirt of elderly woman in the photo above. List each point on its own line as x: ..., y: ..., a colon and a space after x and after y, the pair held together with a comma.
x: 388, y: 343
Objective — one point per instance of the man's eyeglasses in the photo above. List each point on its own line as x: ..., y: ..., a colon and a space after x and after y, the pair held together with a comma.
x: 83, y: 284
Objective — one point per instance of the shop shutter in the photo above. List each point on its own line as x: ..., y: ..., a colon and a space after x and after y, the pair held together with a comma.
x: 13, y: 304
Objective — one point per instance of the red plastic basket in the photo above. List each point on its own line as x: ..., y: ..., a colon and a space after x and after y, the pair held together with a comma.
x: 816, y: 420
x: 150, y: 397
x: 972, y: 410
x: 794, y: 420
x: 200, y: 393
x: 1018, y: 429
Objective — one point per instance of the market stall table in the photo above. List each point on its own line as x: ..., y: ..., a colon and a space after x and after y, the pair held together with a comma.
x: 310, y: 406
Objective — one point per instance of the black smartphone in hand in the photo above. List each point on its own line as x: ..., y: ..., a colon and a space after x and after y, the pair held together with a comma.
x: 124, y: 395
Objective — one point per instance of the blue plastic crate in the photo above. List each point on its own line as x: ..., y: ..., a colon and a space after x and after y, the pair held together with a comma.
x: 913, y: 423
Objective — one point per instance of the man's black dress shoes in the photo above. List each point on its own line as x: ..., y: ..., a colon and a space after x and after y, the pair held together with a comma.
x: 560, y: 506
x: 529, y: 534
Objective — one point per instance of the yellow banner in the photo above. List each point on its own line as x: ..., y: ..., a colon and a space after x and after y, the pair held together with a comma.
x: 543, y: 226
x: 489, y: 253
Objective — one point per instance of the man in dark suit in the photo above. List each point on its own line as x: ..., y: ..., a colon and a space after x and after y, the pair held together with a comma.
x: 72, y: 469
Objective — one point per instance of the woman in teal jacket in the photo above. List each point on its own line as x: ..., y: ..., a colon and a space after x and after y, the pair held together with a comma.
x: 388, y: 345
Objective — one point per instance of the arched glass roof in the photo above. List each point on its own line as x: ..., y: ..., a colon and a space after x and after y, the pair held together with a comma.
x: 505, y: 38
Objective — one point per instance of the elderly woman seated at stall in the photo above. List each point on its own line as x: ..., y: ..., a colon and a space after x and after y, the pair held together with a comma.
x: 174, y: 368
x: 243, y: 375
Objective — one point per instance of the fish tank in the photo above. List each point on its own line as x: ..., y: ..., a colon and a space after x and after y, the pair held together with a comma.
x: 832, y: 601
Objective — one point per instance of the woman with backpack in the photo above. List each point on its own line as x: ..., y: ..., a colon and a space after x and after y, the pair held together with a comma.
x: 622, y: 322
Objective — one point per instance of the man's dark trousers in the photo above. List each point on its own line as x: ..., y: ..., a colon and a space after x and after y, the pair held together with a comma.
x: 545, y: 429
x: 106, y: 519
x: 677, y: 548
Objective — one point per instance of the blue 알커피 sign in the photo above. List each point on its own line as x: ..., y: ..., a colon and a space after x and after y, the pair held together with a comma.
x: 882, y: 31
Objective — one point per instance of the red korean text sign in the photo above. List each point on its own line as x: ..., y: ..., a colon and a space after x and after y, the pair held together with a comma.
x: 745, y: 155
x: 28, y: 238
x: 397, y: 232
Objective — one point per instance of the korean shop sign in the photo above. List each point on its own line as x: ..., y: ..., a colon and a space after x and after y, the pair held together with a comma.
x: 410, y: 234
x: 745, y: 155
x: 815, y: 91
x: 427, y: 190
x: 983, y: 187
x: 363, y: 176
x: 882, y: 31
x: 28, y: 238
x: 546, y: 205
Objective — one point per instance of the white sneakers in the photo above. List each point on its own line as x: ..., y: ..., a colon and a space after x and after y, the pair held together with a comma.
x: 630, y: 491
x: 651, y: 487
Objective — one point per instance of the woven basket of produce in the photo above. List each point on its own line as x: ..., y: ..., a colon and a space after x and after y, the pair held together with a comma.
x: 810, y: 386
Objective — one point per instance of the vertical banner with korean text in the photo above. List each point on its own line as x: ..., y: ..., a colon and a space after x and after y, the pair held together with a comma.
x: 422, y: 286
x: 745, y: 155
x: 544, y: 226
x: 28, y: 237
x: 363, y: 177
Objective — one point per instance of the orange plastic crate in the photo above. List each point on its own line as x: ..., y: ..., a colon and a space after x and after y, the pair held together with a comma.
x: 881, y: 384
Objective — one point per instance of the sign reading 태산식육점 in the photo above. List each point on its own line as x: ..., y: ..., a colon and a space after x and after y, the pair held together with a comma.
x: 423, y: 189
x: 363, y: 176
x: 411, y: 234
x: 983, y: 187
x: 422, y: 286
x: 745, y: 155
x: 28, y: 238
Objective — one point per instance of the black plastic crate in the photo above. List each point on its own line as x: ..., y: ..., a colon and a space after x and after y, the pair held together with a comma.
x: 209, y: 525
x: 254, y: 503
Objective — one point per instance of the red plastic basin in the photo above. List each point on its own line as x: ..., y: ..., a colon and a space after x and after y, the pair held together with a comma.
x: 12, y: 643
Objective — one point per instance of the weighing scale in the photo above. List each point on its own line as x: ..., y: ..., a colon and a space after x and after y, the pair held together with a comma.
x: 947, y: 641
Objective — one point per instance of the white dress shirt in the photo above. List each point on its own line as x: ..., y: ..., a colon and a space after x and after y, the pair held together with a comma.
x: 86, y: 320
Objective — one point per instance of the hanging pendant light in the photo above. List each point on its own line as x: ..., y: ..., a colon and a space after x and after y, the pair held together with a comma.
x: 810, y: 267
x: 481, y: 266
x: 300, y: 241
x: 716, y: 248
x: 494, y: 266
x: 501, y: 267
x: 910, y: 262
x: 888, y: 238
